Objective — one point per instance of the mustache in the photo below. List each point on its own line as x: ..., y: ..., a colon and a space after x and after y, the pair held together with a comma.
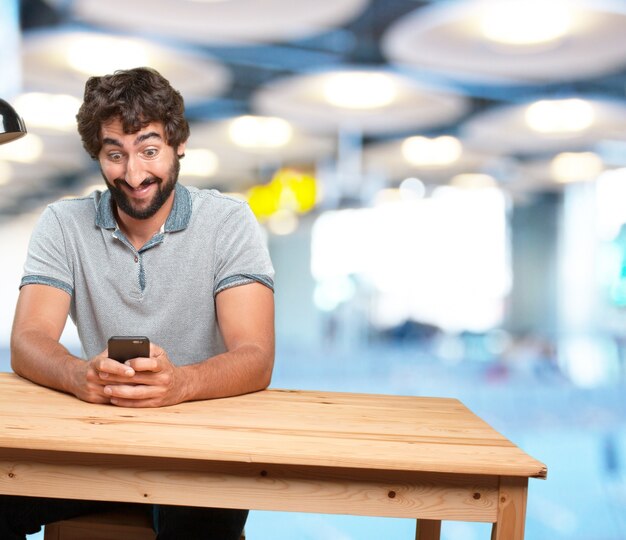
x: 147, y: 181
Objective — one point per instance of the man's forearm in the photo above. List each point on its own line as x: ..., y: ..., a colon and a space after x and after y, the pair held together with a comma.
x: 245, y: 369
x: 44, y: 360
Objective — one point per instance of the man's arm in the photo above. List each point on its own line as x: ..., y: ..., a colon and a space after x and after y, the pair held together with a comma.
x: 245, y: 316
x: 37, y: 355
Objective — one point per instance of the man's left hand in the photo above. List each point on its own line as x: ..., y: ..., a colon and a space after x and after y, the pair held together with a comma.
x: 156, y: 383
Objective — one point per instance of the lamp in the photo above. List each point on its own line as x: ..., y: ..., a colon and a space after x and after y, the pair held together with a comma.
x: 11, y: 125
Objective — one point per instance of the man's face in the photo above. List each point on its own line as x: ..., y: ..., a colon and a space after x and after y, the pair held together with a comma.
x: 140, y: 169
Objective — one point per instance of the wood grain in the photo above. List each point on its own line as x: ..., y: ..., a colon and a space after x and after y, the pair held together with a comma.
x: 234, y: 485
x: 317, y: 429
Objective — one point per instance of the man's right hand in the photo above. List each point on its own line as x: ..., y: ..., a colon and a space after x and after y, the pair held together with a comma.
x: 97, y: 373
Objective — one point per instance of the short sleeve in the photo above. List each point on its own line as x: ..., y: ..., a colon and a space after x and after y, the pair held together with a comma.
x: 241, y: 254
x: 47, y: 262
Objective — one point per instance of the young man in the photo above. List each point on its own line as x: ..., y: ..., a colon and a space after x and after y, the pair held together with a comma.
x: 183, y: 266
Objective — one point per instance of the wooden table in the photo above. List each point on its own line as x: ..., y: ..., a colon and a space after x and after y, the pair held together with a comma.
x: 324, y: 452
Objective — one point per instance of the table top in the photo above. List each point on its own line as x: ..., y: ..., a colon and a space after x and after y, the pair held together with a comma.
x: 287, y: 427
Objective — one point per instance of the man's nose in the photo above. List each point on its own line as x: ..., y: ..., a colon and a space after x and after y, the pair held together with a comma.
x: 135, y: 173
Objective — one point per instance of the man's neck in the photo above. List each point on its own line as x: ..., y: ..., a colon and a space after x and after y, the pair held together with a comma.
x: 139, y: 231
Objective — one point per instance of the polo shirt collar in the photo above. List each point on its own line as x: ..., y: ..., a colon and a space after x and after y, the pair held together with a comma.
x: 177, y: 220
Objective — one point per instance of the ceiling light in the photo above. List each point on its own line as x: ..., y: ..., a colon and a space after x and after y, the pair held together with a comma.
x: 260, y: 132
x: 25, y: 150
x: 525, y: 22
x: 437, y: 152
x: 49, y: 110
x: 359, y: 90
x: 97, y: 55
x: 199, y: 162
x: 560, y: 116
x: 576, y: 166
x: 473, y: 181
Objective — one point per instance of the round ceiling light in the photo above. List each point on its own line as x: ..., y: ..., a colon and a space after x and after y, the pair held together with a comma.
x: 576, y: 166
x: 437, y: 152
x: 54, y: 111
x: 260, y: 132
x: 511, y: 41
x: 560, y: 116
x: 355, y: 98
x: 359, y: 90
x: 525, y: 22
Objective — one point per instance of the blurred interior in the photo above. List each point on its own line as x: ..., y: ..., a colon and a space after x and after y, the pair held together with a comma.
x: 443, y: 189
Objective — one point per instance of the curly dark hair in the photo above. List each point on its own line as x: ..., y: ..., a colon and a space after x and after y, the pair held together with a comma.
x: 137, y: 97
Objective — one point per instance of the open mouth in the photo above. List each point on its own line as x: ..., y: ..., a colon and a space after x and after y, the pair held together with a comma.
x: 142, y: 189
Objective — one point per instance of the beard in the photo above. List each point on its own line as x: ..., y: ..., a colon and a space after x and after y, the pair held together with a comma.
x: 163, y: 192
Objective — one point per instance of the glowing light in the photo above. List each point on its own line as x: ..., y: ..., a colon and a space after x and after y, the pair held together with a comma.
x: 289, y: 189
x: 359, y: 90
x: 437, y: 152
x: 525, y: 22
x: 263, y: 201
x: 28, y: 149
x: 473, y: 181
x: 576, y: 167
x: 298, y: 190
x: 199, y: 162
x: 48, y: 110
x: 260, y: 132
x: 97, y: 55
x: 560, y: 116
x: 412, y: 188
x: 408, y: 255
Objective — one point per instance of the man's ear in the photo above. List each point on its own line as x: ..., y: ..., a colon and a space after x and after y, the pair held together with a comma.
x: 180, y: 150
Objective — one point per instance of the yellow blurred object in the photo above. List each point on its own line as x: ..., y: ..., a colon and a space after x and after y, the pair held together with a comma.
x: 289, y: 189
x: 262, y: 201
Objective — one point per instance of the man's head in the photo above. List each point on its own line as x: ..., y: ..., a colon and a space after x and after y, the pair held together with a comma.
x: 136, y: 97
x: 132, y: 122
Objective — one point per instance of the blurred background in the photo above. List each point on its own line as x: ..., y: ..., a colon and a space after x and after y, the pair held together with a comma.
x: 443, y: 189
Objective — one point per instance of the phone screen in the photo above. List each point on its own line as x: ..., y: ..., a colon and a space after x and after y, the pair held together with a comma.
x: 122, y: 348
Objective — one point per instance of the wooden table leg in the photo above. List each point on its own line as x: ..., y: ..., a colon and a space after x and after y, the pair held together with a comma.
x: 511, y: 509
x: 428, y: 529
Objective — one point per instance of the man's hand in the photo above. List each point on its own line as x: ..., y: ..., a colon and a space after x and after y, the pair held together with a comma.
x: 155, y: 382
x: 94, y: 376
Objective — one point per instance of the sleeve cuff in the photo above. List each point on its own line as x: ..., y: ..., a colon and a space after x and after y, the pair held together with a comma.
x: 243, y: 279
x: 44, y: 280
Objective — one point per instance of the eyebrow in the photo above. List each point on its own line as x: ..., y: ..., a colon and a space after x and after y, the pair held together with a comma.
x: 140, y: 138
x: 149, y: 135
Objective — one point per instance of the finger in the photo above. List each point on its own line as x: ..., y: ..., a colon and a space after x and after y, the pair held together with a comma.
x: 145, y: 364
x: 113, y: 367
x: 133, y: 392
x: 135, y: 403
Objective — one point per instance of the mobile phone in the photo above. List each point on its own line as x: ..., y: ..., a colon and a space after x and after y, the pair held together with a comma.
x: 122, y: 348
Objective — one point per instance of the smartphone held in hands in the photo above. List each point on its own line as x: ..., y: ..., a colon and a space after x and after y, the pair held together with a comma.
x: 122, y: 348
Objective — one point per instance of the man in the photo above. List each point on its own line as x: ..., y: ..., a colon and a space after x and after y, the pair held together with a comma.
x: 183, y: 266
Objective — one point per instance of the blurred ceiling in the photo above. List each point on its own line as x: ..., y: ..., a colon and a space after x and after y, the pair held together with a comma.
x: 435, y: 89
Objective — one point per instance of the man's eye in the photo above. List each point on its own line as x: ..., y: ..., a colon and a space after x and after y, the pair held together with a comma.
x: 150, y: 152
x: 115, y: 156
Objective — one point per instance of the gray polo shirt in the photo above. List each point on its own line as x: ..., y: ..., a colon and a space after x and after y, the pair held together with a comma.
x: 167, y: 289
